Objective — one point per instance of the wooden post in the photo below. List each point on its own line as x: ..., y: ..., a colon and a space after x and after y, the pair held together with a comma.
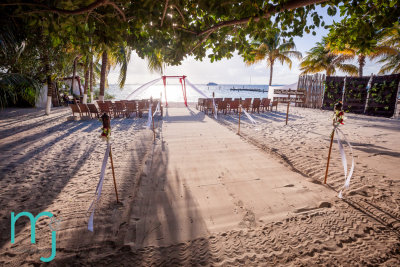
x: 329, y: 156
x: 154, y: 131
x: 344, y: 89
x: 287, y: 111
x: 396, y: 105
x: 240, y: 111
x: 112, y: 167
x: 369, y: 86
x: 213, y: 109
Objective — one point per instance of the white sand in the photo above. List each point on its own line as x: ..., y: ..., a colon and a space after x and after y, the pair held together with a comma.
x: 202, y: 195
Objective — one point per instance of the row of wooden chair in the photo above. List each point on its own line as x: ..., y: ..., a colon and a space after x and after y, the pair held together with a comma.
x: 115, y: 109
x: 89, y: 110
x: 228, y: 104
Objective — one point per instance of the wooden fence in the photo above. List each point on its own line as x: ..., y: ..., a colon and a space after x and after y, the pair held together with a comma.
x: 313, y: 87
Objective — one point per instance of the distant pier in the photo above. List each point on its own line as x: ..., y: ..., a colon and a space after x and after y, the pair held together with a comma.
x: 249, y: 89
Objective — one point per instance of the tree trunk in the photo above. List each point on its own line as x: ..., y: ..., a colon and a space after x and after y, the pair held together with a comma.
x: 103, y: 75
x: 271, y: 69
x: 73, y: 77
x: 49, y: 82
x: 85, y: 88
x: 361, y: 63
x: 92, y: 80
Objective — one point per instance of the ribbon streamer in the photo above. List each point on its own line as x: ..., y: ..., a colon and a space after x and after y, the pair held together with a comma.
x: 204, y: 95
x: 98, y: 188
x: 248, y: 116
x: 196, y: 89
x: 344, y: 160
x: 215, y: 110
x: 157, y: 109
x: 149, y: 118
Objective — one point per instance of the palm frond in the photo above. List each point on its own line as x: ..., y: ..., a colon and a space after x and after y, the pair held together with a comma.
x: 295, y: 54
x: 123, y: 60
x: 383, y: 51
x: 348, y: 68
x: 284, y: 59
x: 155, y: 62
x: 392, y: 64
x: 15, y: 85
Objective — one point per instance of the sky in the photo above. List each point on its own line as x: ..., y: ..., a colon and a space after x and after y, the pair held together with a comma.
x: 234, y: 70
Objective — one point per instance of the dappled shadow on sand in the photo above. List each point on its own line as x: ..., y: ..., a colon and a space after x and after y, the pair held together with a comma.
x: 150, y: 228
x: 36, y: 167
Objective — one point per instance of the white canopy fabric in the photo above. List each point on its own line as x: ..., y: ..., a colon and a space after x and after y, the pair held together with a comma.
x: 142, y: 88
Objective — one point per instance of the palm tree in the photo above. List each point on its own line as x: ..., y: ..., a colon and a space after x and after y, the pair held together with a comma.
x: 321, y: 58
x: 271, y: 49
x: 378, y: 51
x: 110, y: 58
x: 391, y: 61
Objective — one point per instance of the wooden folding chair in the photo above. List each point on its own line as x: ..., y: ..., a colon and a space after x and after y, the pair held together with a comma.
x: 246, y: 104
x: 84, y: 109
x: 256, y: 105
x: 105, y: 108
x: 93, y: 110
x: 75, y: 109
x: 234, y: 105
x: 274, y: 104
x: 131, y: 108
x: 223, y: 105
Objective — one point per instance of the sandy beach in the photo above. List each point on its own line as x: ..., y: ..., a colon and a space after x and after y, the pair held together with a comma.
x: 201, y: 194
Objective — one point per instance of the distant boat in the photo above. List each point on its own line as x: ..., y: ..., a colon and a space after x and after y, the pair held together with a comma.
x: 211, y: 84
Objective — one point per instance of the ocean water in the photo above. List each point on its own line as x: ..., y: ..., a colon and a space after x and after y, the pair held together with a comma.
x: 174, y: 91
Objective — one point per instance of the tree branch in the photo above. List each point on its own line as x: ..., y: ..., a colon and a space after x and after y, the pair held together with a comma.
x: 78, y: 11
x: 180, y: 13
x: 165, y: 11
x: 202, y: 41
x: 185, y: 30
x: 292, y: 4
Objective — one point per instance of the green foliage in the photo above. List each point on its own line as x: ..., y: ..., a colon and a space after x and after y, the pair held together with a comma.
x: 363, y: 24
x: 17, y: 88
x: 107, y: 96
x: 321, y: 58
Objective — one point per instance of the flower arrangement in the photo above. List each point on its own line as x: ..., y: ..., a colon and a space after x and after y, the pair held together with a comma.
x: 106, y: 130
x: 106, y: 133
x: 338, y: 116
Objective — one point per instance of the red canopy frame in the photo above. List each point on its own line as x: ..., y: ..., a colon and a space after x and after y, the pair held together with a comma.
x: 181, y: 78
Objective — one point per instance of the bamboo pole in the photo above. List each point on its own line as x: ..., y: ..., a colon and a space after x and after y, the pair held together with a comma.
x: 240, y: 111
x: 287, y: 111
x: 329, y: 156
x: 112, y: 167
x: 154, y: 131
